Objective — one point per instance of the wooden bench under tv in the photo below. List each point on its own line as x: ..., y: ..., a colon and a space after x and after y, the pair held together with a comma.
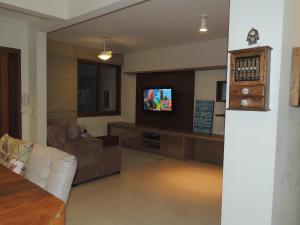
x: 176, y: 144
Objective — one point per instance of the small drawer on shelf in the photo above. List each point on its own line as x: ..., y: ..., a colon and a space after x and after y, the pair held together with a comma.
x: 248, y: 91
x: 247, y: 103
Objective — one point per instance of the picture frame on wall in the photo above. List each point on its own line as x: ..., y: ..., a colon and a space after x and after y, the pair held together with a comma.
x: 204, y: 116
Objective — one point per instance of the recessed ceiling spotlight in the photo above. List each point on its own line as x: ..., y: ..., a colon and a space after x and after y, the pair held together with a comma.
x: 203, y: 27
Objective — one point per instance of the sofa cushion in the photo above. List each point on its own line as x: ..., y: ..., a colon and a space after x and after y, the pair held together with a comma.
x: 56, y: 136
x: 73, y: 131
x: 3, y: 149
x: 52, y: 170
x: 14, y: 153
x: 38, y: 166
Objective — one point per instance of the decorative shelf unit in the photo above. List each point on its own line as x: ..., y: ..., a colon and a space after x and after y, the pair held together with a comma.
x: 249, y: 79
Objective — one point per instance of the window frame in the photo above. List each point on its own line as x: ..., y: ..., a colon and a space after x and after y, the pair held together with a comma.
x: 99, y: 113
x: 219, y: 89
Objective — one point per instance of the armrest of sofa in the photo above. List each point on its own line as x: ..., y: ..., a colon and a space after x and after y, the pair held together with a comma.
x: 82, y: 145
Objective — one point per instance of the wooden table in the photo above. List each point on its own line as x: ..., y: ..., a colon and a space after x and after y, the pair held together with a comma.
x: 24, y: 203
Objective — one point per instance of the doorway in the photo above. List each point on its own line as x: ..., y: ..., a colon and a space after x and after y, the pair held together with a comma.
x: 10, y: 92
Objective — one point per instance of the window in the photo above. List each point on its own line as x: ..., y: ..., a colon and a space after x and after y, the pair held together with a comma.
x: 99, y: 88
x: 221, y: 91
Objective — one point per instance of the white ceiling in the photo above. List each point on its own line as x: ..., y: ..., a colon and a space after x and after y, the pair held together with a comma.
x: 15, y: 15
x: 47, y: 16
x: 153, y: 24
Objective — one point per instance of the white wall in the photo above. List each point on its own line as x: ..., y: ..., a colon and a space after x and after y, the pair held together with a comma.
x: 18, y: 35
x: 206, y: 53
x: 41, y: 88
x: 287, y: 181
x: 37, y: 66
x: 250, y: 140
x: 205, y: 89
x: 97, y: 126
x: 209, y: 53
x: 14, y: 35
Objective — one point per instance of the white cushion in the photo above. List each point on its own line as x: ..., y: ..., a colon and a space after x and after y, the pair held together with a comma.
x: 52, y: 170
x: 38, y: 166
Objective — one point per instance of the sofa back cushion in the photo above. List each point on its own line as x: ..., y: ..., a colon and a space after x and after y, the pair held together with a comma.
x: 73, y: 131
x: 38, y: 166
x: 56, y: 136
x: 52, y: 170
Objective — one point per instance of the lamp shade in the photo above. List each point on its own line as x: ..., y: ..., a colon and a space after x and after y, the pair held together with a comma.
x: 105, y: 55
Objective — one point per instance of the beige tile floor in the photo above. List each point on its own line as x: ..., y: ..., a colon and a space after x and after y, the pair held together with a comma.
x: 151, y: 190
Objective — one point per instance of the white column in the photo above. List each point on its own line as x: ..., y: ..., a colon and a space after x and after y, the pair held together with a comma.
x: 287, y: 176
x: 41, y: 88
x: 250, y: 137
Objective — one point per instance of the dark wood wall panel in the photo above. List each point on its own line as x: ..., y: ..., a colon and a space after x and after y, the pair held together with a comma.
x: 14, y: 71
x: 4, y: 94
x: 10, y: 92
x: 183, y: 83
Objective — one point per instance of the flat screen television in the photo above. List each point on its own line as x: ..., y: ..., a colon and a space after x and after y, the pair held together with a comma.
x: 158, y: 99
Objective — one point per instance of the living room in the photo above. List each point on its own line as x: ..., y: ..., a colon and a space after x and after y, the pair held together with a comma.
x: 162, y: 63
x: 158, y: 166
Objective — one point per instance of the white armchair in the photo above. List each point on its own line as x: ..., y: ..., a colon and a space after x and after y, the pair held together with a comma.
x: 52, y: 170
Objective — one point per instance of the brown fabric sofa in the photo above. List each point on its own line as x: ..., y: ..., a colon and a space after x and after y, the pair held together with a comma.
x: 93, y: 160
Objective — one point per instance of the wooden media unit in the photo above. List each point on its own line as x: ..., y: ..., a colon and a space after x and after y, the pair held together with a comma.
x: 172, y: 143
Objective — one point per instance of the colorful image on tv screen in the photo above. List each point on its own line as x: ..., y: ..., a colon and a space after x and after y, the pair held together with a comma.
x: 158, y: 100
